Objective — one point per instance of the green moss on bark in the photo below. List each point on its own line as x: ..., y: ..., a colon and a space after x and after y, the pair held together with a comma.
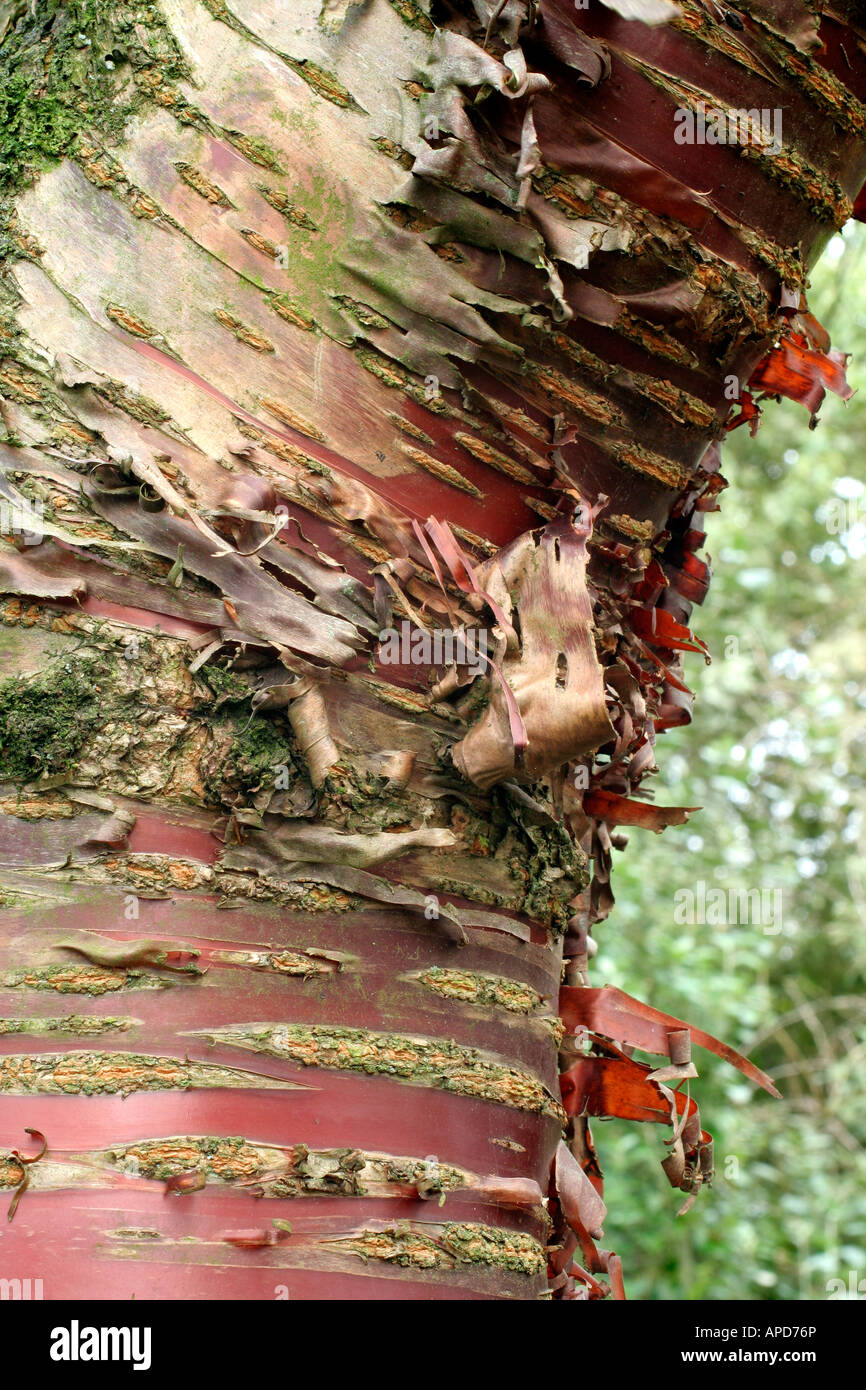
x: 45, y: 722
x: 64, y: 67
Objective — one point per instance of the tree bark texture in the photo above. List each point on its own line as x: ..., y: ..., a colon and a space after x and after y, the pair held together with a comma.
x: 318, y: 320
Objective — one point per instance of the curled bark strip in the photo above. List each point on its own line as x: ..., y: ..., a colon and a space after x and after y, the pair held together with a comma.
x: 598, y: 1262
x: 26, y: 1164
x: 614, y: 1271
x: 670, y: 675
x: 113, y: 480
x: 380, y: 890
x: 35, y: 1134
x: 435, y: 567
x: 681, y: 1071
x: 45, y: 573
x: 599, y: 1086
x: 258, y: 602
x: 545, y: 301
x: 620, y: 810
x: 615, y: 1014
x: 578, y: 51
x: 616, y: 1085
x: 594, y: 1288
x: 581, y: 1204
x: 516, y: 726
x: 309, y: 719
x: 245, y: 515
x: 659, y: 628
x: 463, y: 574
x: 795, y: 21
x: 494, y: 921
x: 167, y: 955
x: 18, y: 1194
x: 802, y: 373
x: 553, y: 671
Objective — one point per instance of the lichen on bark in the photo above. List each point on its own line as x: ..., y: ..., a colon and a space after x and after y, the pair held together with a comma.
x: 400, y: 312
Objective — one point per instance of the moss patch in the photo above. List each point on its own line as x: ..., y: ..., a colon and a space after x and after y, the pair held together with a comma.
x: 45, y: 722
x: 63, y: 67
x: 258, y: 747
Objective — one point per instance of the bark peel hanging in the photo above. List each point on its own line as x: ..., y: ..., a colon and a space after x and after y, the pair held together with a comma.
x: 384, y: 305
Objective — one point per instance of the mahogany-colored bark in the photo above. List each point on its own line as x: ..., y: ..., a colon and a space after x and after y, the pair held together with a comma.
x: 284, y: 925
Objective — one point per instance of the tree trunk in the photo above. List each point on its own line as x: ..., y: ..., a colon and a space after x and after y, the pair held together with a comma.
x: 323, y: 321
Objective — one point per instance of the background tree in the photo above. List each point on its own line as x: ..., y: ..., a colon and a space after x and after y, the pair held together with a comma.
x: 781, y: 786
x: 319, y: 319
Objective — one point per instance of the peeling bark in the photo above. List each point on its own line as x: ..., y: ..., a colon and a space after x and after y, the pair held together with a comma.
x: 316, y: 320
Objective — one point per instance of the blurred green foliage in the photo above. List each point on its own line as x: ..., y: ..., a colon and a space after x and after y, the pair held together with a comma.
x: 775, y: 759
